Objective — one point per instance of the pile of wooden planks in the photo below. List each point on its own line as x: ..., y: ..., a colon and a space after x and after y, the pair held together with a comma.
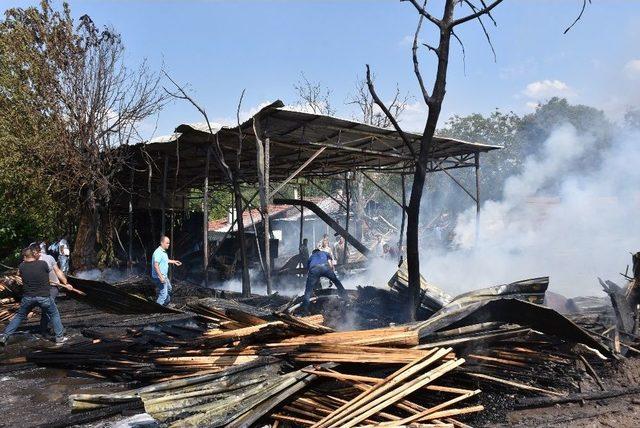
x: 227, y: 363
x: 318, y: 396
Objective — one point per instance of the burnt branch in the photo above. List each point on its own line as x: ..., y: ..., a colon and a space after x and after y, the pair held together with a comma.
x: 219, y: 155
x: 484, y: 29
x: 464, y: 55
x: 240, y: 136
x: 423, y: 12
x: 386, y: 111
x: 584, y: 6
x: 478, y: 13
x: 416, y: 64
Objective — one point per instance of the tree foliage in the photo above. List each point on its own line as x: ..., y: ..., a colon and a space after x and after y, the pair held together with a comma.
x: 67, y: 82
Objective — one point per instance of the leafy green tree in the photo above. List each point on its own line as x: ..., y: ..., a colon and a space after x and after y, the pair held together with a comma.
x: 30, y: 203
x: 67, y: 80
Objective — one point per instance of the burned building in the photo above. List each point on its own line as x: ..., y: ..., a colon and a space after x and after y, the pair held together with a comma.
x: 256, y: 160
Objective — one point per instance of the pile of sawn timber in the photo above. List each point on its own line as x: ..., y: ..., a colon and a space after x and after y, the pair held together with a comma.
x: 238, y: 365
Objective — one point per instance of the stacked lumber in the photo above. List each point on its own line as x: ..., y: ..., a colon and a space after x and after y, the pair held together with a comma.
x: 318, y: 396
x: 227, y: 363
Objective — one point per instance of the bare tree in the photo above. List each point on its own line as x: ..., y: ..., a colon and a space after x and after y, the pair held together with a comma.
x: 99, y: 103
x: 445, y: 23
x: 433, y: 98
x: 313, y: 96
x: 370, y: 113
x: 232, y: 174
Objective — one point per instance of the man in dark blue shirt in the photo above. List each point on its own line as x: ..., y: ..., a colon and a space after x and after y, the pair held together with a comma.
x: 319, y: 267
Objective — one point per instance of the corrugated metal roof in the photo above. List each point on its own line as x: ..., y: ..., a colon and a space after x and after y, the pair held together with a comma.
x: 294, y: 137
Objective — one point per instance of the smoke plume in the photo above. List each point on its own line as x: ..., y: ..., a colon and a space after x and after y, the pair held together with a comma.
x: 572, y: 226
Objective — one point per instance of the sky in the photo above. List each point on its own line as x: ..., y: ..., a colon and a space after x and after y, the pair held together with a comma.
x: 219, y: 48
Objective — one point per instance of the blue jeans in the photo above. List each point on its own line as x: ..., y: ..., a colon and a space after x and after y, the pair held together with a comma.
x: 46, y: 304
x: 164, y: 291
x: 314, y: 275
x: 45, y: 319
x: 64, y: 263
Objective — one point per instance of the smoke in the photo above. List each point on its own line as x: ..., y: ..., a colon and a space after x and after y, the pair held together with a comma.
x: 551, y: 220
x: 377, y: 274
x: 285, y: 286
x: 110, y: 275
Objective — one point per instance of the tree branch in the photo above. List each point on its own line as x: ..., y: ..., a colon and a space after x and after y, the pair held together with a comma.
x: 584, y: 5
x: 416, y: 65
x: 240, y: 136
x: 386, y: 111
x: 483, y: 11
x: 219, y: 154
x: 484, y: 29
x: 464, y: 55
x: 422, y: 10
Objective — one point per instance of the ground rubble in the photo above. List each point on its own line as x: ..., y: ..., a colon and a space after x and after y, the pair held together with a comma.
x: 492, y: 356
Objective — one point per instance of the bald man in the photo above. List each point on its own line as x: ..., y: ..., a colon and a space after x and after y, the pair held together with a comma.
x: 160, y: 271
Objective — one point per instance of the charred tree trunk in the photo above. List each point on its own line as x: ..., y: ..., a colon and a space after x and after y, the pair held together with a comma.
x: 84, y: 249
x: 434, y: 103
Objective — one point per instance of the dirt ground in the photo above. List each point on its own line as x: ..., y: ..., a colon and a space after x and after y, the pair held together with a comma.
x: 617, y: 412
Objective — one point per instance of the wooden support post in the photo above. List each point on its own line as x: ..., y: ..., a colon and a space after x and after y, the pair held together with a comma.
x: 246, y: 281
x: 347, y: 193
x: 130, y: 219
x: 263, y: 189
x: 267, y: 231
x: 404, y: 216
x: 301, y: 219
x: 205, y: 220
x: 477, y: 168
x: 163, y: 200
x: 172, y: 243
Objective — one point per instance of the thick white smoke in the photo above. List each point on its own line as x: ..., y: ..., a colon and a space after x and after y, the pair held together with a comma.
x: 583, y: 229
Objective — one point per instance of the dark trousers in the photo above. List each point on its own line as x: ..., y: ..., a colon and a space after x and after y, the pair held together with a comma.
x: 313, y: 277
x: 46, y: 304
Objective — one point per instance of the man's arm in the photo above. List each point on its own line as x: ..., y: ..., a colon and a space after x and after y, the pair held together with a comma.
x: 63, y: 279
x: 156, y: 266
x: 175, y: 262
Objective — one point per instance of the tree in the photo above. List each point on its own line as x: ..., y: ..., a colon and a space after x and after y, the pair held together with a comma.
x: 433, y: 98
x: 313, y: 96
x: 30, y: 208
x: 370, y: 113
x: 80, y: 84
x: 445, y: 27
x: 497, y: 128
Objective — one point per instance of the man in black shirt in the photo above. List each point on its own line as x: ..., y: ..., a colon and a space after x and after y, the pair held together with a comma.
x: 36, y: 292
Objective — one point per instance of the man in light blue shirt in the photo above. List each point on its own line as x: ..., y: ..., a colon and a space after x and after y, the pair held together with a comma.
x: 160, y: 271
